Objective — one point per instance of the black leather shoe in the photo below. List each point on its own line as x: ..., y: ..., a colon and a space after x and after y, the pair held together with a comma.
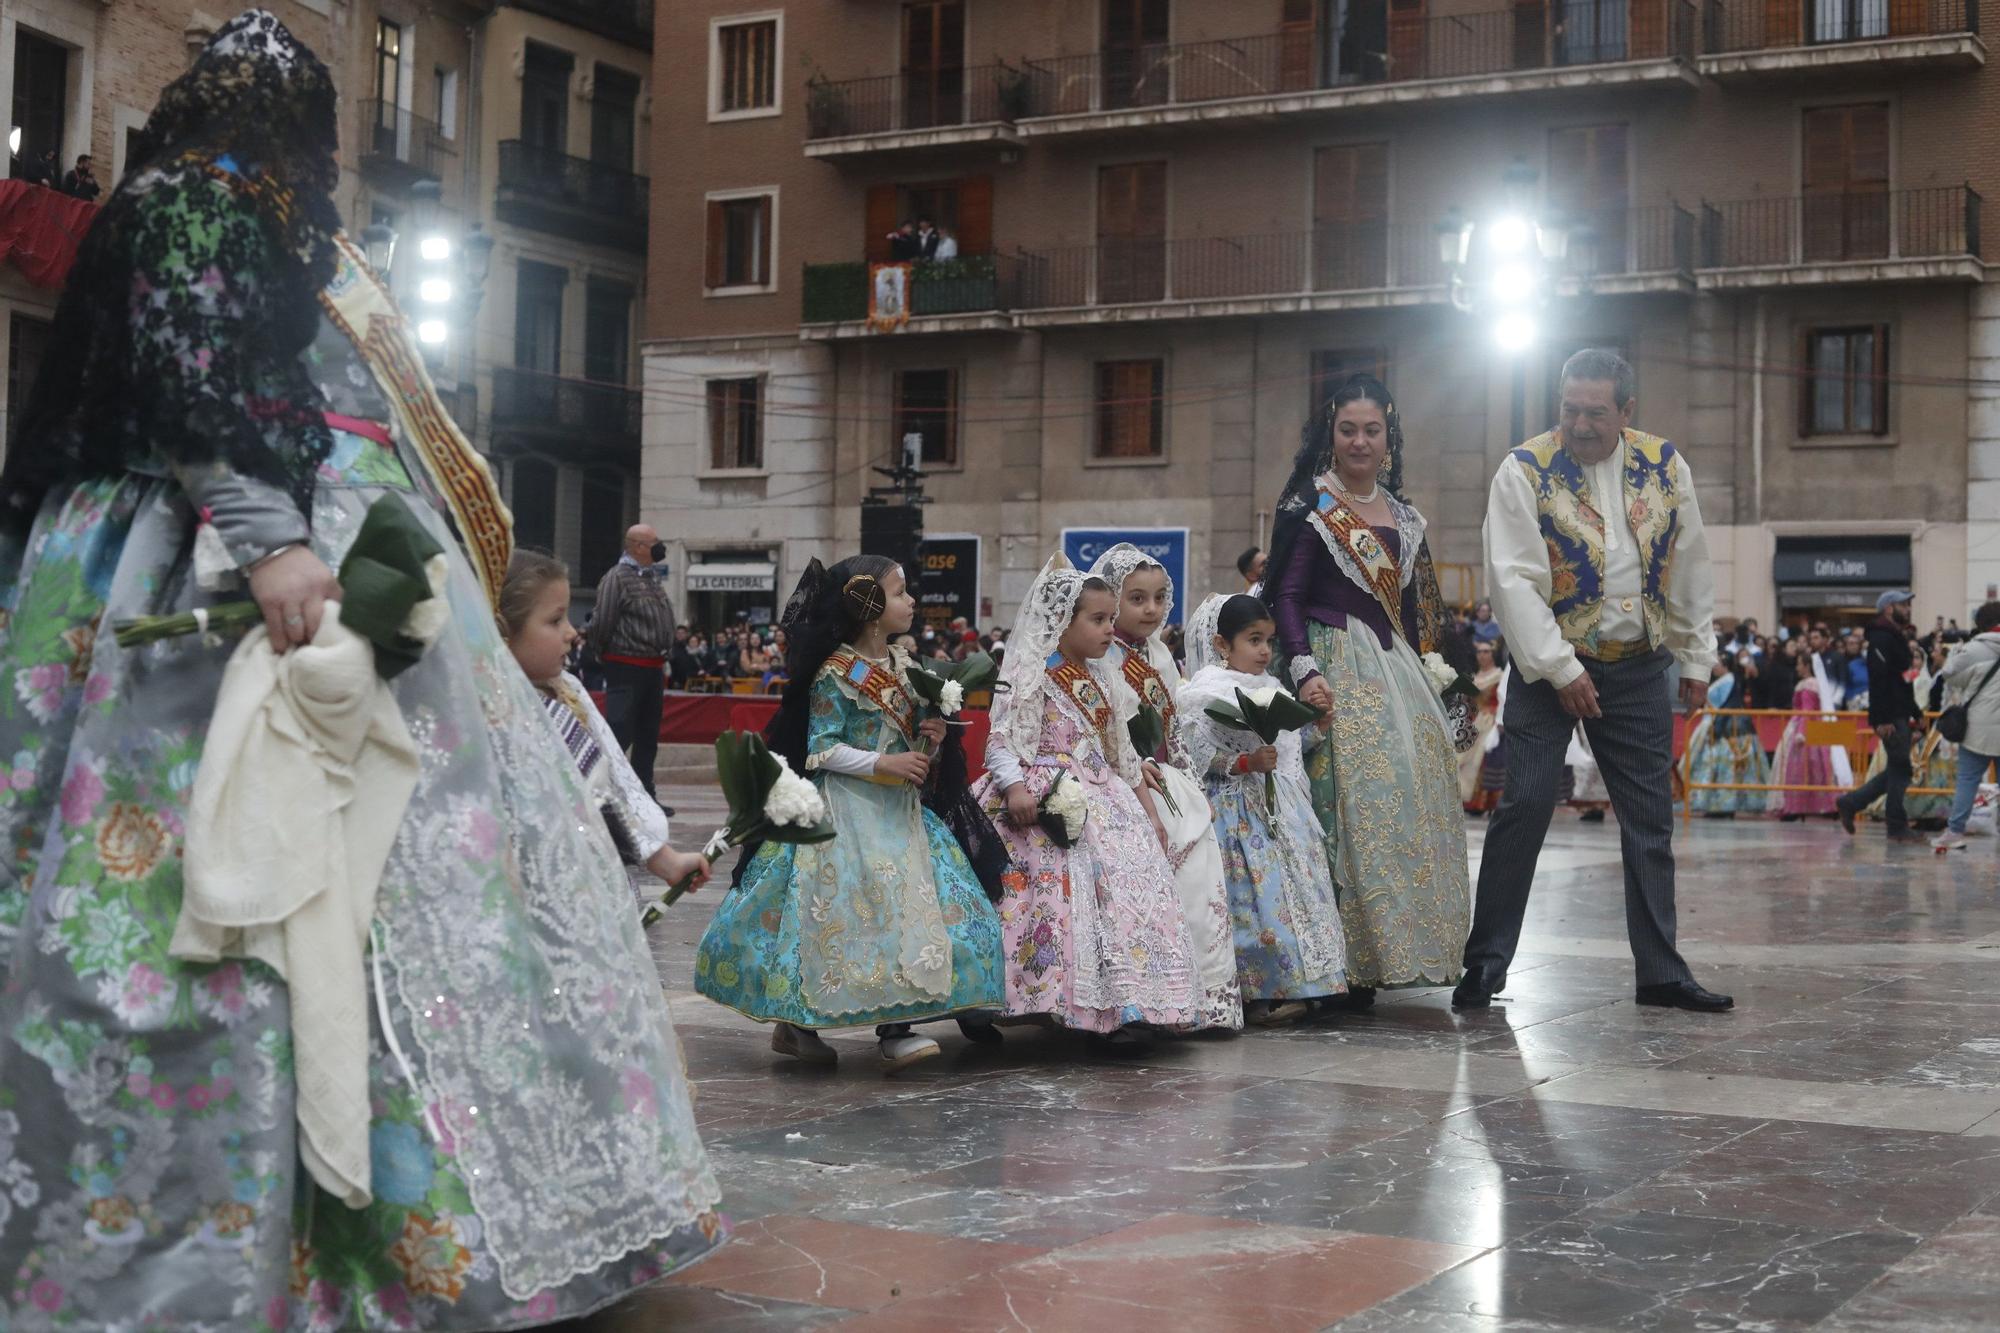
x: 1846, y: 816
x: 980, y: 1031
x: 1684, y: 995
x: 1360, y: 999
x: 1473, y: 991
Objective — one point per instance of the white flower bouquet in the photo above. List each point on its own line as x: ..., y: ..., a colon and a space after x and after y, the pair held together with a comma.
x: 1062, y: 812
x: 944, y: 685
x: 768, y: 802
x: 1446, y: 679
x: 1267, y: 713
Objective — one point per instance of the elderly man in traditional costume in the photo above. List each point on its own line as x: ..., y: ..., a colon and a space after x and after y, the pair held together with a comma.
x: 1599, y: 571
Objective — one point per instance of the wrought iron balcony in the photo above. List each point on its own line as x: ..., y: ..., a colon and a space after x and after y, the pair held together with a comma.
x: 571, y: 196
x: 1841, y: 237
x: 584, y: 419
x: 1758, y: 25
x: 399, y: 147
x: 924, y: 100
x: 973, y: 285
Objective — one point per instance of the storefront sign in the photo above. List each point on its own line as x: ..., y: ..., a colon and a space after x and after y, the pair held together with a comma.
x: 1168, y: 546
x: 950, y: 587
x: 732, y: 577
x: 1873, y: 561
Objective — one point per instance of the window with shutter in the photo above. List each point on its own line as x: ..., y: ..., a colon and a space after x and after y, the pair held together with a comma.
x: 1589, y: 187
x: 933, y: 63
x: 1298, y: 45
x: 1333, y: 367
x: 927, y: 406
x: 735, y: 424
x: 1845, y: 211
x: 741, y: 233
x: 745, y: 58
x: 1351, y: 217
x: 1137, y: 70
x: 1130, y: 410
x: 1131, y: 232
x: 1845, y: 390
x: 1408, y: 44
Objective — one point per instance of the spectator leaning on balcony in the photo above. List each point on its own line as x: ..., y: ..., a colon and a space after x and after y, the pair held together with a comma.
x: 632, y: 631
x: 903, y: 244
x: 947, y: 246
x: 79, y: 182
x: 927, y: 239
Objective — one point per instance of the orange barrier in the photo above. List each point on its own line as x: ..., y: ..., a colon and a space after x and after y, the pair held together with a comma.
x: 1847, y: 729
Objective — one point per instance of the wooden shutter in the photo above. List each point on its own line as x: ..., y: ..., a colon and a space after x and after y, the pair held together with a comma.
x: 718, y: 244
x: 1131, y: 232
x: 1408, y: 47
x: 1906, y: 17
x: 1846, y: 180
x: 763, y: 275
x: 1531, y: 34
x: 1783, y: 23
x: 1350, y: 216
x: 1647, y: 21
x: 1298, y: 29
x: 879, y: 217
x: 1880, y: 425
x: 1128, y: 409
x: 975, y: 215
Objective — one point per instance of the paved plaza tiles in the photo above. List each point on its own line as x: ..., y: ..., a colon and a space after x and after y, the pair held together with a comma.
x: 1828, y: 1156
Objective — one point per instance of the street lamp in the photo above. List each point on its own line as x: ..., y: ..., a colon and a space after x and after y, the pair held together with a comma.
x: 378, y: 243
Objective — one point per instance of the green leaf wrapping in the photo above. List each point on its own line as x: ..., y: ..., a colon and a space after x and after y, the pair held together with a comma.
x: 382, y: 579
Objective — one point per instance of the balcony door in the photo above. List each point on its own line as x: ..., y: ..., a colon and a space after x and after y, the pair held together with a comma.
x: 1854, y: 20
x: 391, y: 132
x: 41, y: 94
x: 1589, y: 186
x: 607, y: 332
x: 1845, y: 211
x: 1351, y: 217
x: 1590, y: 32
x: 1329, y: 43
x: 1131, y: 232
x: 933, y: 63
x: 1136, y: 70
x: 538, y: 320
x: 545, y: 99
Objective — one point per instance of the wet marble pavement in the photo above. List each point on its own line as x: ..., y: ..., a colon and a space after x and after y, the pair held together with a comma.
x: 1827, y: 1156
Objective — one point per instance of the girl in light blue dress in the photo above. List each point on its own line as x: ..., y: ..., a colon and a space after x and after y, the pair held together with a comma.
x: 886, y: 924
x: 1290, y: 947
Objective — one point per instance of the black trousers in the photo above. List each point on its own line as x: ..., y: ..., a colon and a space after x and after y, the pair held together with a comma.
x: 632, y: 699
x: 1891, y: 782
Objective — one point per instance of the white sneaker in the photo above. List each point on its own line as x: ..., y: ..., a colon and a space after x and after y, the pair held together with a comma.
x: 802, y: 1044
x: 1948, y: 841
x: 902, y: 1052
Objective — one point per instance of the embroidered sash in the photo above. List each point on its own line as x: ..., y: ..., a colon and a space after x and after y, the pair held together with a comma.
x: 363, y: 310
x: 879, y: 686
x: 1081, y: 689
x: 1380, y: 572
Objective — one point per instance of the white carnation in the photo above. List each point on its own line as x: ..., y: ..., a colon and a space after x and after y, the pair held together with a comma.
x: 792, y: 799
x: 1065, y: 802
x: 437, y: 572
x: 427, y: 618
x: 214, y: 568
x: 951, y: 698
x: 1262, y: 698
x: 1441, y: 672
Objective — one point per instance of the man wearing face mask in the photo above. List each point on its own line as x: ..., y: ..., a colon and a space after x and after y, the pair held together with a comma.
x: 632, y: 631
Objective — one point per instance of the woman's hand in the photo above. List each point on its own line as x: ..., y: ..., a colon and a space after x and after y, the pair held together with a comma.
x: 292, y: 588
x: 1263, y: 759
x: 1022, y: 808
x: 909, y: 767
x: 1318, y: 694
x: 672, y: 866
x: 931, y: 729
x: 1149, y: 773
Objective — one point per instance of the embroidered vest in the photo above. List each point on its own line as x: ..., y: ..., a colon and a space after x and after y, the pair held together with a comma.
x: 1573, y: 527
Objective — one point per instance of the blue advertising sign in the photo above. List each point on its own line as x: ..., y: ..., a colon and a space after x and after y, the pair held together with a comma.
x: 1166, y: 545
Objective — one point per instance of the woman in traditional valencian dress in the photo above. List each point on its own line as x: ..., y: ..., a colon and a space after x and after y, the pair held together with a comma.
x: 531, y: 1153
x: 1142, y: 670
x: 886, y: 924
x: 1482, y: 769
x: 1797, y: 764
x: 1356, y: 600
x: 1726, y: 749
x: 1095, y: 937
x: 1284, y: 913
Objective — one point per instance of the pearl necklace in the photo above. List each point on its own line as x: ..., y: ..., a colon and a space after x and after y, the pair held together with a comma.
x: 1374, y: 493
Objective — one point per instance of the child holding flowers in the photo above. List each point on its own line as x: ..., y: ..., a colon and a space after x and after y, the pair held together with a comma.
x: 1095, y: 935
x: 1288, y: 939
x: 886, y: 923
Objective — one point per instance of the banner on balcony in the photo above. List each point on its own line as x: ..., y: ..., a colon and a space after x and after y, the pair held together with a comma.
x: 888, y: 296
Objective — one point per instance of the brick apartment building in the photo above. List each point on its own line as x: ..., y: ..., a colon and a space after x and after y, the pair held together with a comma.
x: 1177, y: 219
x: 526, y: 120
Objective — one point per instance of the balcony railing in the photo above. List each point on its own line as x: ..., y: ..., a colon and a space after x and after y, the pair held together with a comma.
x: 1346, y: 258
x: 1527, y: 37
x: 923, y: 100
x: 572, y: 196
x: 1935, y: 223
x: 1755, y: 25
x: 837, y: 293
x: 397, y: 144
x: 1624, y: 241
x: 593, y: 416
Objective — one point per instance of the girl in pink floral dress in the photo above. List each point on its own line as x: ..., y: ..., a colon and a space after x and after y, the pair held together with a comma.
x: 1094, y: 933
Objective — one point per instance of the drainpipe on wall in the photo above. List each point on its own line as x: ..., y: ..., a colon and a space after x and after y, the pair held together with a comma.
x: 1758, y: 345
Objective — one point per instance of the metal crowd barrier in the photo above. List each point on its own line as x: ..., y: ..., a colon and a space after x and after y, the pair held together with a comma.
x: 1832, y: 729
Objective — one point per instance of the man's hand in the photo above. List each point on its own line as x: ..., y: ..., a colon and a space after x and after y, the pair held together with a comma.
x: 1579, y: 698
x: 909, y: 766
x: 1693, y: 694
x: 1318, y: 694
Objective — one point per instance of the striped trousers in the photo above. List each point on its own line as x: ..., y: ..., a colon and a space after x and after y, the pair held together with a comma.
x: 1633, y: 742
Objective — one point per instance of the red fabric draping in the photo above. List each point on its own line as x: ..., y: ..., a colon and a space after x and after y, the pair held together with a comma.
x: 40, y: 229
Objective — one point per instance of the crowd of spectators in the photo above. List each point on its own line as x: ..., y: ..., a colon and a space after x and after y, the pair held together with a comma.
x: 715, y: 661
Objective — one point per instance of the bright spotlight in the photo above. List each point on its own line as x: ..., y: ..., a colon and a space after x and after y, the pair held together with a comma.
x: 1514, y: 284
x: 435, y: 249
x: 1514, y: 333
x: 1511, y: 235
x: 431, y: 332
x: 434, y: 291
x: 14, y: 140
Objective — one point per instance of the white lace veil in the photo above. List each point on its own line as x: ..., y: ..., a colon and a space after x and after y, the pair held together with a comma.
x: 1118, y: 561
x: 1045, y: 613
x: 1199, y: 638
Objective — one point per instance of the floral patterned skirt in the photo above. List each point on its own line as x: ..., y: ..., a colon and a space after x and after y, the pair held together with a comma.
x: 1733, y: 754
x: 1282, y: 905
x: 148, y: 1148
x: 749, y: 957
x: 1385, y: 788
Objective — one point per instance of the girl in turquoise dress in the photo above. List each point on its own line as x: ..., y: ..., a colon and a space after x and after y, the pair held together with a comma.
x: 861, y: 929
